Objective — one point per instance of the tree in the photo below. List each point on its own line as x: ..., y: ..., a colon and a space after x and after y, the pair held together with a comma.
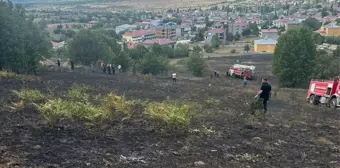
x: 336, y: 52
x: 196, y: 64
x: 324, y: 12
x: 208, y: 48
x: 312, y: 23
x: 237, y: 36
x: 88, y: 47
x: 197, y: 49
x: 230, y: 37
x: 246, y: 47
x: 23, y: 44
x: 181, y: 50
x: 246, y: 32
x: 254, y: 29
x: 318, y: 38
x: 122, y: 59
x: 153, y: 64
x: 326, y: 66
x: 215, y: 41
x: 294, y: 58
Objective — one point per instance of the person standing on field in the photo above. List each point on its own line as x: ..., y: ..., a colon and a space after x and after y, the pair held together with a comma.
x: 174, y: 78
x: 119, y: 68
x: 245, y: 81
x: 58, y: 63
x: 72, y: 65
x: 264, y: 93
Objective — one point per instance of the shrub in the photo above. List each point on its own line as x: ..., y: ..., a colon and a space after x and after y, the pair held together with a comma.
x: 233, y: 51
x: 211, y: 101
x: 12, y: 75
x: 30, y: 95
x: 52, y: 110
x: 118, y: 103
x: 208, y: 48
x: 170, y: 113
x: 78, y: 93
x: 196, y: 64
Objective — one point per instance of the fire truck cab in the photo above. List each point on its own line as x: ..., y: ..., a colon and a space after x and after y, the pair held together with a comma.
x: 324, y: 92
x: 242, y: 71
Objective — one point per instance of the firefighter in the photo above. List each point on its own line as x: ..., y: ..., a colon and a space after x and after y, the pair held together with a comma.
x: 113, y: 69
x: 264, y: 93
x: 109, y: 69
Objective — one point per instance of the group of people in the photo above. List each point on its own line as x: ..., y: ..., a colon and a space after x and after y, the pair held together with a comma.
x: 110, y: 68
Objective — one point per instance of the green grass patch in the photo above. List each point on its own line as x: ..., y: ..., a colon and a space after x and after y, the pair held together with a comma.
x: 12, y: 75
x: 31, y: 96
x: 174, y: 114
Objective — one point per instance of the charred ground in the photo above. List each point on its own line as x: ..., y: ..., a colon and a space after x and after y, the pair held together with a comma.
x: 294, y: 134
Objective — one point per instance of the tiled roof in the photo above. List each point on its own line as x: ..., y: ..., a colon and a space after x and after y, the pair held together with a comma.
x: 216, y: 31
x: 139, y: 33
x: 294, y: 21
x: 158, y: 41
x: 241, y: 24
x: 269, y: 31
x: 265, y: 41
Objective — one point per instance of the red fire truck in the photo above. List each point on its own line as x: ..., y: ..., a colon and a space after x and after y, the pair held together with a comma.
x: 242, y: 71
x: 324, y: 92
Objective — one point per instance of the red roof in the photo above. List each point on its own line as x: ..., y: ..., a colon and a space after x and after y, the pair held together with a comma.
x: 217, y: 31
x: 241, y: 24
x: 269, y: 31
x: 131, y: 45
x: 139, y: 33
x: 255, y: 19
x: 158, y: 41
x: 55, y: 44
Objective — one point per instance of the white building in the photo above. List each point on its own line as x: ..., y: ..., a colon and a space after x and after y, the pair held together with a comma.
x: 125, y: 27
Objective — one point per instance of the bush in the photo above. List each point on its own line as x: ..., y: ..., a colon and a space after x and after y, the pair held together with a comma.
x: 12, y: 75
x: 118, y: 103
x: 233, y: 51
x: 211, y: 102
x: 208, y: 48
x: 31, y: 96
x: 55, y: 109
x: 78, y: 93
x: 171, y: 113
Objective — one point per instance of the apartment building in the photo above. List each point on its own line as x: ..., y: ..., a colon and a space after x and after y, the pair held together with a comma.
x: 166, y: 30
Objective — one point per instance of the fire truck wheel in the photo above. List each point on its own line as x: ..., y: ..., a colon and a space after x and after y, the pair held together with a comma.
x: 333, y: 103
x: 313, y: 100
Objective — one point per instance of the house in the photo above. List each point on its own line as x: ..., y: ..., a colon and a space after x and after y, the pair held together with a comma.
x: 200, y: 24
x: 293, y: 24
x: 149, y: 43
x: 265, y: 45
x: 269, y: 33
x: 330, y: 30
x: 182, y: 30
x: 56, y: 45
x: 221, y: 34
x: 125, y: 27
x: 139, y: 35
x: 238, y: 27
x: 131, y: 45
x: 166, y: 30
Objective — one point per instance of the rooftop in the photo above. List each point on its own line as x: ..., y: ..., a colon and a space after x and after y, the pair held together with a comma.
x: 332, y: 25
x: 158, y: 41
x: 139, y: 33
x: 265, y: 41
x: 216, y: 31
x: 269, y: 31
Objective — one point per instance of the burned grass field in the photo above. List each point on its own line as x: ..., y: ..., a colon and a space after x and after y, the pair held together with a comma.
x: 220, y: 133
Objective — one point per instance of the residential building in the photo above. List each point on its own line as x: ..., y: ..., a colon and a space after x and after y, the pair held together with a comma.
x: 221, y: 34
x: 125, y: 27
x: 235, y: 28
x: 182, y: 30
x: 139, y: 35
x: 265, y: 45
x: 330, y: 30
x: 149, y: 43
x: 293, y: 24
x: 269, y: 33
x: 56, y: 45
x: 166, y: 30
x: 200, y: 24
